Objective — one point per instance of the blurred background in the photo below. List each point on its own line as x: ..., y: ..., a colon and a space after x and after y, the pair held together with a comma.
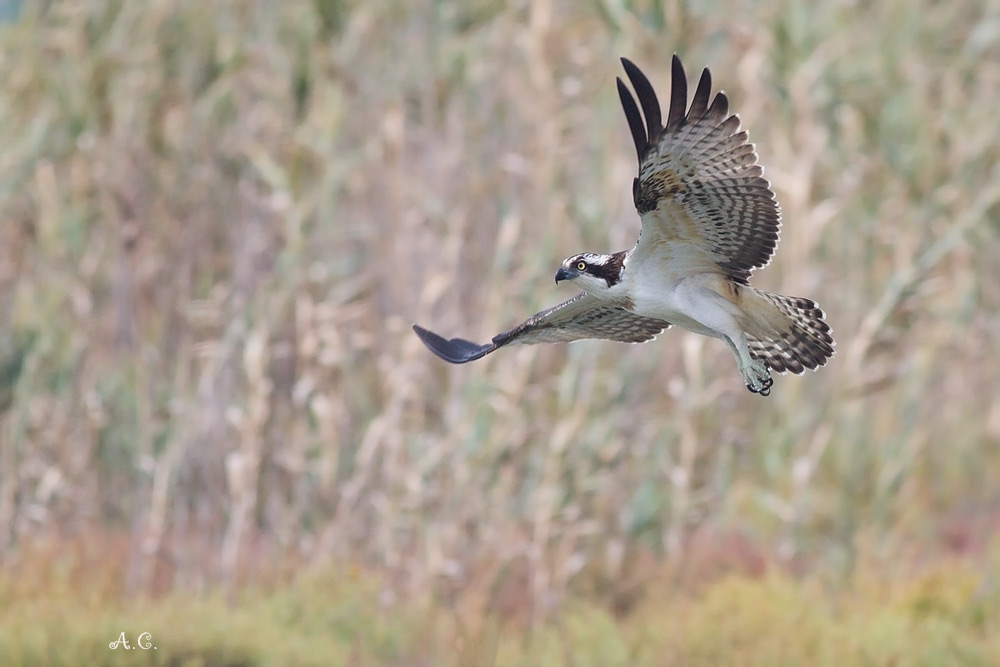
x: 218, y: 221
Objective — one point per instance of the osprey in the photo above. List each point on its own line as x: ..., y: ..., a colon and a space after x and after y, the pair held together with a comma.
x: 709, y: 218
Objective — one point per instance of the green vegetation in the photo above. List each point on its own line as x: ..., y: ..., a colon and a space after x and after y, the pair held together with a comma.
x: 219, y: 219
x: 339, y: 618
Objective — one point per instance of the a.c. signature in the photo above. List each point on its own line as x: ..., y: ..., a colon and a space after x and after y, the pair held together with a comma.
x: 143, y: 641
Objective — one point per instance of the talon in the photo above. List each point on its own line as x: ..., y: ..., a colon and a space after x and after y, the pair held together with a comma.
x: 757, y: 377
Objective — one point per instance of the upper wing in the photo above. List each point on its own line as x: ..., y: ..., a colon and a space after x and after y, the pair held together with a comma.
x: 583, y: 316
x: 699, y: 186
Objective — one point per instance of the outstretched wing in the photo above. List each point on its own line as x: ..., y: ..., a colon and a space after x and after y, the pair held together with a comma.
x: 583, y: 316
x: 699, y: 189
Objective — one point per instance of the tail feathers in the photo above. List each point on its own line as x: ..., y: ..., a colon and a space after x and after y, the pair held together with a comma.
x: 802, y: 340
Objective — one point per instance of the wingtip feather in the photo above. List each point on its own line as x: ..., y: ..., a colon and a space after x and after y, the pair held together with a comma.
x: 678, y: 94
x: 635, y: 124
x: 720, y: 105
x: 699, y: 105
x: 456, y: 350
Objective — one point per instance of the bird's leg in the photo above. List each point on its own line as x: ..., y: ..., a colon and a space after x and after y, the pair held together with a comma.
x: 715, y: 312
x: 755, y: 374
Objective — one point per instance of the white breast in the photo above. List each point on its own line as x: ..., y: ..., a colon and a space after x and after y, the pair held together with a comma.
x: 681, y: 293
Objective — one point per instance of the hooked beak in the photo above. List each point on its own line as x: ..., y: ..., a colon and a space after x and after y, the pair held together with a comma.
x: 566, y: 274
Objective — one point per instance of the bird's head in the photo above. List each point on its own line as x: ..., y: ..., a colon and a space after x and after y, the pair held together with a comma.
x: 592, y: 273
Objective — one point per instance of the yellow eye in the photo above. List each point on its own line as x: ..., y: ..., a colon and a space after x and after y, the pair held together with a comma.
x: 581, y: 266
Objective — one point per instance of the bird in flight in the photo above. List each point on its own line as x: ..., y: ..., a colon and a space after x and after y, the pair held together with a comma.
x: 709, y: 218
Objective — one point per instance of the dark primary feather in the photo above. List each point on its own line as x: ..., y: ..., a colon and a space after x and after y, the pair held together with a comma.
x: 647, y: 98
x: 456, y: 350
x: 635, y: 124
x: 699, y: 105
x: 678, y: 94
x: 583, y: 316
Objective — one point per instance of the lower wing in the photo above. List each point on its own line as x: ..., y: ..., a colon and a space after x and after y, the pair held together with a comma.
x: 583, y: 316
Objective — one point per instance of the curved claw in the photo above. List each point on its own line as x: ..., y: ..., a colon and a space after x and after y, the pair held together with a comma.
x: 765, y: 388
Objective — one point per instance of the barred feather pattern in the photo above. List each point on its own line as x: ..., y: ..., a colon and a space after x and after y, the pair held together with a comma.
x: 583, y: 316
x: 806, y: 343
x: 699, y: 182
